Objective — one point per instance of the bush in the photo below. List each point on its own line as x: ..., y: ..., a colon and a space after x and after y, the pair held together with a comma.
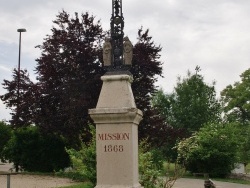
x: 5, y: 135
x: 33, y: 151
x: 149, y: 167
x: 84, y: 160
x: 214, y: 150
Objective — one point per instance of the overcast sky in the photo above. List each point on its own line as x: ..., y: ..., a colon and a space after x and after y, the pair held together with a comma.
x: 213, y: 34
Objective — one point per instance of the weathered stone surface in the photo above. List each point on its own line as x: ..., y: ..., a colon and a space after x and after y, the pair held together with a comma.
x: 128, y: 51
x: 116, y: 115
x: 116, y: 92
x: 117, y: 120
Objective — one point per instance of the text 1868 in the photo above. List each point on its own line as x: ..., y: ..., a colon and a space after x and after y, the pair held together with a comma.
x: 113, y: 148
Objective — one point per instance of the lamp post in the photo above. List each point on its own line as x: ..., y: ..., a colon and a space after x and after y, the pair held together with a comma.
x: 19, y: 58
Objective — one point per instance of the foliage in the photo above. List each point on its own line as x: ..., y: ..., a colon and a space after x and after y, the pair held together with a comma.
x: 245, y: 146
x: 236, y: 99
x: 177, y: 173
x: 146, y: 66
x: 33, y: 151
x: 194, y: 103
x: 163, y: 104
x: 213, y: 149
x: 5, y: 135
x: 84, y: 161
x: 151, y: 167
x: 68, y: 80
x: 236, y: 105
x: 69, y: 75
x: 21, y: 103
x: 149, y: 172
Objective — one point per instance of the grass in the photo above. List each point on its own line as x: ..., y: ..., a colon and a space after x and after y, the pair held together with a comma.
x: 80, y: 185
x: 248, y: 168
x: 230, y: 180
x: 169, y: 168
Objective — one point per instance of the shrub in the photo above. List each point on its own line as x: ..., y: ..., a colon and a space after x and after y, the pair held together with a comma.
x: 84, y: 160
x: 5, y: 135
x: 214, y: 150
x: 148, y: 170
x: 33, y: 151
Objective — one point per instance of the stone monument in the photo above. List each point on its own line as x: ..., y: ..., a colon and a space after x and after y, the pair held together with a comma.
x: 116, y: 116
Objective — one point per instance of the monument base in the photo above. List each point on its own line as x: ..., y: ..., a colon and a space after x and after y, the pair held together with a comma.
x: 117, y: 146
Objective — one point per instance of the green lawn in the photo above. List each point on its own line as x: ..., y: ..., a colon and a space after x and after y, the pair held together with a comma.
x: 248, y: 168
x: 169, y: 168
x: 80, y: 185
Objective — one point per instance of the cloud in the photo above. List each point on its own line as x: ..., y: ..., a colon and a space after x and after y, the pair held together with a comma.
x: 210, y: 33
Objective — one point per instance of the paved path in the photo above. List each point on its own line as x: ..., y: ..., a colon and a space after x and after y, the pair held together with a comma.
x: 197, y: 183
x: 5, y: 167
x: 31, y: 181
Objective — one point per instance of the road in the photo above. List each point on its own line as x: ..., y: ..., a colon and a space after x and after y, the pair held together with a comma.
x: 197, y: 183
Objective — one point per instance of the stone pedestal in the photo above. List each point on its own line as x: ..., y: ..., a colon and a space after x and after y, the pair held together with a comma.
x: 117, y: 119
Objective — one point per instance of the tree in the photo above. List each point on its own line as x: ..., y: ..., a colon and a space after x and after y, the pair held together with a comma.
x: 194, y: 103
x: 236, y: 99
x: 22, y: 104
x: 68, y: 78
x: 163, y: 104
x: 236, y: 105
x: 69, y: 75
x: 214, y: 149
x: 146, y: 66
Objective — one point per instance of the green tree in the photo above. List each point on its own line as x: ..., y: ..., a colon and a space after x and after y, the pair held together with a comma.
x: 5, y: 135
x: 236, y: 105
x: 163, y: 104
x: 236, y: 99
x: 214, y: 149
x: 192, y: 104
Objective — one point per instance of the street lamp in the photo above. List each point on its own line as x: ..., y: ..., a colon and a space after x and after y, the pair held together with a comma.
x: 19, y: 57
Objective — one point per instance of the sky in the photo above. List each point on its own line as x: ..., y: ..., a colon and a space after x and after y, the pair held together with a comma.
x: 211, y: 34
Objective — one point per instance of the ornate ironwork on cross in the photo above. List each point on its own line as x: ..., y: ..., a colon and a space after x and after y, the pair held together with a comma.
x: 117, y: 50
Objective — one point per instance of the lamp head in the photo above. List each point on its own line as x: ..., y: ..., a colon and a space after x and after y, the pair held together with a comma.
x: 21, y: 30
